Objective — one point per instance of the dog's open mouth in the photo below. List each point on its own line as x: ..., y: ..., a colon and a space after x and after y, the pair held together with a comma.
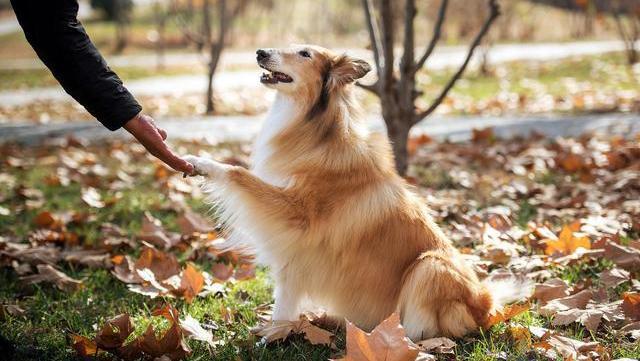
x: 273, y: 77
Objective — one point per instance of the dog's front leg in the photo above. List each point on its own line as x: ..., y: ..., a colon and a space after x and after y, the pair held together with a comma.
x: 287, y: 303
x: 258, y: 199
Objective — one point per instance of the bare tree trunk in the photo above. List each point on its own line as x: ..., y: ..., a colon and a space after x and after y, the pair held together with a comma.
x: 629, y: 36
x: 398, y: 94
x: 122, y: 27
x: 215, y: 51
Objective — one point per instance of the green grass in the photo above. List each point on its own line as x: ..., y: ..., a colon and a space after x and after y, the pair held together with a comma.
x: 607, y: 73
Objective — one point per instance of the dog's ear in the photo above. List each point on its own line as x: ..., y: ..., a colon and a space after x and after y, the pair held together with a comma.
x: 345, y: 70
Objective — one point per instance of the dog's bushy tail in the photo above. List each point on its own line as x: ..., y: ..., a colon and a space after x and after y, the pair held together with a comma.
x: 507, y: 290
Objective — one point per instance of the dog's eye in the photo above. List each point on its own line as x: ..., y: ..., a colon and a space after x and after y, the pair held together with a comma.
x: 304, y: 53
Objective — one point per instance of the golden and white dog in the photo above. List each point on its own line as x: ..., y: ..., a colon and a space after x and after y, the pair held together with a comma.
x: 324, y: 208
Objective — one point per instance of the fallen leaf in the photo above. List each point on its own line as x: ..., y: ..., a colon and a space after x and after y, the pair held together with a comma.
x: 191, y: 222
x: 631, y: 305
x: 153, y: 232
x: 387, y: 342
x: 46, y: 273
x: 590, y: 318
x: 222, y: 271
x: 437, y: 345
x: 568, y: 348
x: 624, y: 257
x: 614, y: 277
x: 115, y: 331
x: 579, y: 300
x: 508, y: 312
x: 245, y: 271
x: 280, y: 330
x: 567, y: 242
x: 191, y: 283
x: 84, y: 347
x: 552, y: 289
x: 194, y: 330
x: 91, y: 197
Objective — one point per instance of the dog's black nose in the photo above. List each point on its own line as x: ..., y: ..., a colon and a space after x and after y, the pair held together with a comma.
x: 261, y: 54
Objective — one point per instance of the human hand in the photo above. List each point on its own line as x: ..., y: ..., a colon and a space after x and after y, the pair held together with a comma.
x: 144, y: 129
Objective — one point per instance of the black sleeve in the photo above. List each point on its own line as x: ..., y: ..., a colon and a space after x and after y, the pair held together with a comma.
x: 54, y: 32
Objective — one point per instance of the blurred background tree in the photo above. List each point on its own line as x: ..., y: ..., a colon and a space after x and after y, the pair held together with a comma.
x: 396, y: 88
x: 118, y: 11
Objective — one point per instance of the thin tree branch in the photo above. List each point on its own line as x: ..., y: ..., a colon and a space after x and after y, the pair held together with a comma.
x: 494, y: 12
x: 374, y: 34
x: 437, y: 32
x: 406, y: 63
x: 387, y: 45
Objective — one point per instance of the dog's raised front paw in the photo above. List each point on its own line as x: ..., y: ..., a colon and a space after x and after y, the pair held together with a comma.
x: 207, y: 167
x: 198, y: 164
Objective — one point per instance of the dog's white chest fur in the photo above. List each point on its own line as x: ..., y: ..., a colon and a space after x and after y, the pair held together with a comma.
x: 279, y: 117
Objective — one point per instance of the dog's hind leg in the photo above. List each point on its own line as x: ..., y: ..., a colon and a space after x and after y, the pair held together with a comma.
x: 440, y: 297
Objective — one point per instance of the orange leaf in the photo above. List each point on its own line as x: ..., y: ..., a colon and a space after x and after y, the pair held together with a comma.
x: 631, y: 305
x: 386, y: 342
x: 84, y: 347
x: 191, y: 283
x: 567, y: 242
x: 507, y: 313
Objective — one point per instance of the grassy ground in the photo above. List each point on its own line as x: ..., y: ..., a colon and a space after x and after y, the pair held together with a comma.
x: 51, y: 315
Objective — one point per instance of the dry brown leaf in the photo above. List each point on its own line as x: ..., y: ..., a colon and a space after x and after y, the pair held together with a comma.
x: 484, y: 135
x: 507, y: 313
x: 222, y: 271
x: 114, y: 332
x: 625, y: 257
x: 92, y: 258
x: 163, y: 265
x: 84, y: 347
x: 280, y: 330
x: 194, y: 330
x: 568, y: 348
x: 632, y: 329
x: 35, y: 255
x: 550, y: 290
x: 387, y: 342
x: 153, y: 232
x: 579, y: 300
x: 614, y: 277
x: 567, y: 242
x: 437, y: 345
x: 13, y: 310
x: 170, y: 344
x: 191, y: 283
x: 245, y: 271
x: 590, y: 318
x: 46, y: 273
x: 191, y: 222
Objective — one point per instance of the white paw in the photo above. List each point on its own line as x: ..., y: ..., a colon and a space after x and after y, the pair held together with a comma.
x: 198, y: 164
x: 207, y: 167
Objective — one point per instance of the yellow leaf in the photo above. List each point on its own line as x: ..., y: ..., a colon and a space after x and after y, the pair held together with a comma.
x: 508, y: 312
x: 568, y: 241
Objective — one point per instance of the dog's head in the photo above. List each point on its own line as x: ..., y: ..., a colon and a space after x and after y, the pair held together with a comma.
x: 308, y: 69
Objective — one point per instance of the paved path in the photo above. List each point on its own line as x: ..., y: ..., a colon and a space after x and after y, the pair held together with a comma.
x: 243, y: 128
x: 184, y: 84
